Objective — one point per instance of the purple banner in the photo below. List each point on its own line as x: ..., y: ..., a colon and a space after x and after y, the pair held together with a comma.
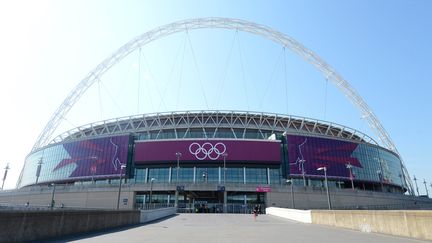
x: 311, y: 153
x: 95, y: 157
x: 208, y: 150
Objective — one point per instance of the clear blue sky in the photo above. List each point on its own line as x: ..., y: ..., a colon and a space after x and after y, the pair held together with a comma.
x: 381, y: 47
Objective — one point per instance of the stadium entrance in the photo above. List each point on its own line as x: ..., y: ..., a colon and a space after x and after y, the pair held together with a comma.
x: 213, y: 201
x: 202, y: 201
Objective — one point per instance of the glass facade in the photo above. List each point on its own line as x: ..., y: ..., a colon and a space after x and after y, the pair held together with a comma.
x: 185, y: 174
x: 256, y: 175
x: 87, y: 159
x: 234, y: 175
x: 368, y: 163
x: 207, y: 174
x: 207, y: 132
x: 159, y: 174
x: 100, y: 159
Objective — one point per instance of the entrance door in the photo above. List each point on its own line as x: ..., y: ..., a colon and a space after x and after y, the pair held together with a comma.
x: 201, y: 202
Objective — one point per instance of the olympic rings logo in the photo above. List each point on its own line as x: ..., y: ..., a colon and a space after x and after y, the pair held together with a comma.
x: 207, y: 150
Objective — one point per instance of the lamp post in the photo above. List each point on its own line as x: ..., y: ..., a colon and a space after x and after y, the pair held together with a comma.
x: 225, y: 194
x: 93, y: 168
x: 430, y: 185
x: 349, y: 167
x: 120, y: 183
x: 415, y: 181
x: 52, y: 195
x: 5, y: 174
x: 291, y: 182
x: 178, y: 155
x: 326, y: 185
x: 402, y: 188
x: 380, y: 179
x: 302, y: 161
x: 224, y: 155
x: 205, y: 176
x: 427, y: 192
x: 38, y: 170
x: 403, y: 179
x: 151, y: 190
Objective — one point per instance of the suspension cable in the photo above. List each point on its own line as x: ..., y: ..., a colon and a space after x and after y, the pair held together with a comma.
x: 139, y: 80
x: 271, y: 78
x: 325, y: 99
x: 100, y: 101
x: 113, y: 100
x: 196, y: 67
x: 224, y: 73
x: 68, y: 121
x: 286, y: 82
x: 151, y: 81
x: 181, y: 74
x: 243, y: 71
x: 170, y: 77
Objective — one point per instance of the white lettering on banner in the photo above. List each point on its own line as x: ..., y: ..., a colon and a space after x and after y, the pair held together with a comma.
x: 207, y: 150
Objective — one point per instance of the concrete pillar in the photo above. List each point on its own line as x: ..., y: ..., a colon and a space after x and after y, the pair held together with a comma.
x: 194, y: 174
x: 268, y: 176
x: 135, y: 175
x: 225, y: 195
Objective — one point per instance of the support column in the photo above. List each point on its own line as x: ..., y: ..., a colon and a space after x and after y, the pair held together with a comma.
x: 194, y: 174
x: 176, y: 198
x: 225, y: 200
x: 268, y: 176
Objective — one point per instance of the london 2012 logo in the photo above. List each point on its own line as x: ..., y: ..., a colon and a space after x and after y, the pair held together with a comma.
x: 207, y: 150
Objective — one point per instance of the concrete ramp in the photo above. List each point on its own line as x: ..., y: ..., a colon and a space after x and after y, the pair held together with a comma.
x: 225, y: 228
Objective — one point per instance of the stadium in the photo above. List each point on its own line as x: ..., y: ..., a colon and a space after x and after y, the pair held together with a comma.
x: 203, y: 154
x: 223, y: 161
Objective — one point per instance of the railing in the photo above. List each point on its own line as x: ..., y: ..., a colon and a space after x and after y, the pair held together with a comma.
x: 234, y: 208
x: 151, y: 206
x: 34, y: 207
x: 219, y: 208
x: 400, y: 206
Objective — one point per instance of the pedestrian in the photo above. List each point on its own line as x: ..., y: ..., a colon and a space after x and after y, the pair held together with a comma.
x: 255, y: 212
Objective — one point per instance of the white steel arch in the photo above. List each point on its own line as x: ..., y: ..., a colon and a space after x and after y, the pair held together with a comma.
x: 224, y: 23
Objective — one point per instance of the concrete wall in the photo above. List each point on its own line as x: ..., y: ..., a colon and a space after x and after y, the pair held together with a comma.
x: 316, y: 198
x: 408, y: 223
x: 102, y: 197
x: 19, y: 226
x: 151, y: 215
x: 413, y: 224
x: 105, y: 196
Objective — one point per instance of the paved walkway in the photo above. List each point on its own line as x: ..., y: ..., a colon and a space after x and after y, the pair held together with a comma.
x: 209, y: 228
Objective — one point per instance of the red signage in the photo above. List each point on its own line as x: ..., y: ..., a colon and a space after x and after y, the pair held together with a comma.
x: 263, y: 189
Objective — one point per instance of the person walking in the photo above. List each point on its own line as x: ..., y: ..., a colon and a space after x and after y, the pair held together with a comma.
x: 255, y: 212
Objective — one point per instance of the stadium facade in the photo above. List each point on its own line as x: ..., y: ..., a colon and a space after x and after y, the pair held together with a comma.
x: 220, y: 150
